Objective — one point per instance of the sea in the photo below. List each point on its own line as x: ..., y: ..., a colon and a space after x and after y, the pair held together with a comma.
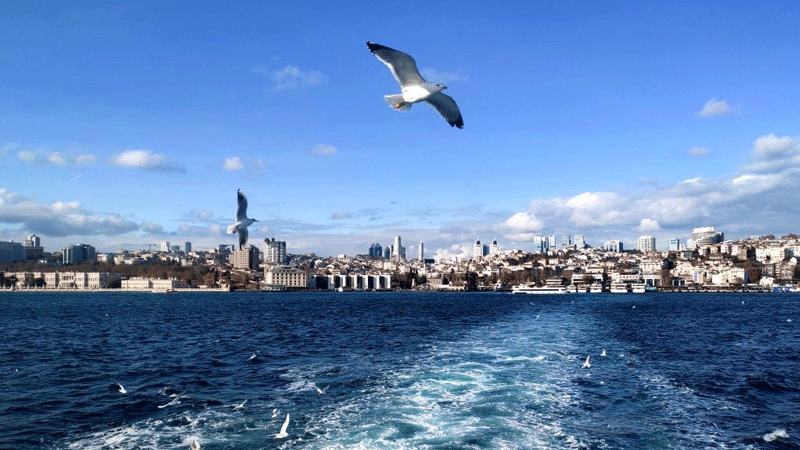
x: 399, y: 370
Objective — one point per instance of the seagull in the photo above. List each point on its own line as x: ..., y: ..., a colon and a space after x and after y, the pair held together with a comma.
x: 275, y: 412
x: 195, y: 445
x: 322, y: 391
x: 239, y: 406
x: 413, y: 87
x: 242, y: 221
x: 122, y: 389
x: 283, y: 433
x: 603, y: 353
x: 588, y: 363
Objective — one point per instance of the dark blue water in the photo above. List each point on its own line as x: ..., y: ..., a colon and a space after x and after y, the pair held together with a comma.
x: 399, y: 371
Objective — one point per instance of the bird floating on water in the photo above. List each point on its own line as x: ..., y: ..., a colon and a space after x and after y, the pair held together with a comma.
x: 242, y: 221
x: 413, y: 87
x: 588, y: 363
x: 283, y: 432
x: 195, y: 445
x: 603, y: 353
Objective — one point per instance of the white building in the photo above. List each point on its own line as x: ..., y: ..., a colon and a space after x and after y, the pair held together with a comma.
x: 646, y: 244
x: 246, y: 258
x: 286, y: 276
x: 165, y: 247
x: 494, y: 249
x: 274, y: 251
x: 421, y: 251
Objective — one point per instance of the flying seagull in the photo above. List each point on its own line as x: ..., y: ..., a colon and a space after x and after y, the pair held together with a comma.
x: 122, y: 389
x: 588, y: 363
x: 413, y: 87
x: 242, y: 221
x: 283, y: 432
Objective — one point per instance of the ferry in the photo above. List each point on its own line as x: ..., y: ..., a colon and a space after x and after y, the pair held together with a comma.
x: 553, y: 286
x: 638, y: 288
x: 533, y: 289
x: 619, y: 287
x: 596, y: 288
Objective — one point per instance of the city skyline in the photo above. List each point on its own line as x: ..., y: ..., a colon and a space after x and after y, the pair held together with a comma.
x: 609, y: 121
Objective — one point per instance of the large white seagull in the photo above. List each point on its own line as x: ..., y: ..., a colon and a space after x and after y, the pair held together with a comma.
x: 413, y: 87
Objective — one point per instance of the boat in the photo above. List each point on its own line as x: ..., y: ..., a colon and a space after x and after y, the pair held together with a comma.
x: 553, y: 286
x: 638, y: 288
x: 163, y: 291
x: 619, y: 287
x: 596, y: 288
x: 533, y: 289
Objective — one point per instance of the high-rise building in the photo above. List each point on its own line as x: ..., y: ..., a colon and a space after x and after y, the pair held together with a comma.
x: 613, y: 246
x: 187, y: 247
x: 646, y: 244
x: 246, y: 258
x: 398, y: 251
x: 274, y: 251
x: 495, y: 248
x: 378, y: 251
x: 33, y: 248
x: 387, y: 252
x: 566, y: 240
x: 11, y: 252
x: 165, y: 247
x: 551, y: 242
x: 706, y: 236
x: 421, y: 251
x: 477, y: 249
x: 540, y: 244
x: 75, y: 254
x: 580, y: 241
x: 674, y: 244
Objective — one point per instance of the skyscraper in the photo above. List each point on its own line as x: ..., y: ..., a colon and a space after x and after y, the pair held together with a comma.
x: 477, y: 249
x: 646, y: 244
x: 165, y: 247
x: 274, y: 251
x: 580, y: 241
x: 674, y: 244
x: 187, y: 247
x: 399, y: 251
x: 495, y: 248
x: 421, y: 252
x: 566, y: 240
x: 75, y: 254
x: 707, y: 236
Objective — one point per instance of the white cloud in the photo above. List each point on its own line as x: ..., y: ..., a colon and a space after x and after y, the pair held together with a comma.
x: 646, y: 225
x: 339, y: 215
x: 144, y: 159
x: 59, y: 218
x: 699, y: 151
x: 325, y: 150
x: 233, y: 163
x: 54, y: 158
x: 292, y: 77
x: 715, y: 107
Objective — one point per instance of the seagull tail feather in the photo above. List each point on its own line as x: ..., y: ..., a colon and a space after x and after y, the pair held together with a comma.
x: 396, y: 102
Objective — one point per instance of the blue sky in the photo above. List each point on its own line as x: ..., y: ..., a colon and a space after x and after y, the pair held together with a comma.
x: 127, y: 124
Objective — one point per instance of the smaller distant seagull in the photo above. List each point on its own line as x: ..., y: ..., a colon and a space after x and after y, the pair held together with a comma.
x: 321, y: 391
x: 413, y: 87
x: 195, y: 445
x: 242, y: 221
x: 239, y: 406
x: 283, y: 433
x: 122, y: 389
x: 588, y: 363
x: 604, y: 353
x: 275, y: 412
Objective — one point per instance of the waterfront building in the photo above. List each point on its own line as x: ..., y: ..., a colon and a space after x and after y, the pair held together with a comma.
x: 274, y: 251
x: 646, y: 244
x: 706, y: 236
x: 246, y: 258
x: 153, y: 284
x: 11, y: 252
x: 285, y: 276
x: 75, y: 254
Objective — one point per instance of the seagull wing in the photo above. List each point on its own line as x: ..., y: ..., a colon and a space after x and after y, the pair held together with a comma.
x: 285, y: 424
x: 446, y: 106
x: 241, y: 210
x: 402, y: 65
x: 243, y: 234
